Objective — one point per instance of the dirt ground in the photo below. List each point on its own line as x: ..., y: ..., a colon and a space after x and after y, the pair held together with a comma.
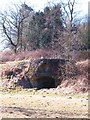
x: 43, y: 104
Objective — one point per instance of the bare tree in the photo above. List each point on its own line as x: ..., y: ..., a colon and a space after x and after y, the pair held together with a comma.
x: 12, y: 26
x: 69, y: 13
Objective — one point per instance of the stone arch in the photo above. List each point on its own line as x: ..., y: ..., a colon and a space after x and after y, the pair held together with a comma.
x: 46, y: 73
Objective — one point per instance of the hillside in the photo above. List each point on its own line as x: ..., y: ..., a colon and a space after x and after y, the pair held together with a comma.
x: 76, y: 79
x: 68, y: 100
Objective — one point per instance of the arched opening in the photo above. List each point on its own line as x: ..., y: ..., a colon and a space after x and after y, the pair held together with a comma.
x: 45, y: 82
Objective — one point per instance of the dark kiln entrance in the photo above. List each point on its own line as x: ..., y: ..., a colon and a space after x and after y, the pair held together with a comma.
x: 45, y: 82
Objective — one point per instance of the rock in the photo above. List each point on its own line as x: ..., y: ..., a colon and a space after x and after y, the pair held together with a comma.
x: 46, y: 73
x: 38, y: 73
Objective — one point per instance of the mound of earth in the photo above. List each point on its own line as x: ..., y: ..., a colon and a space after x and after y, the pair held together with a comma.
x: 78, y: 83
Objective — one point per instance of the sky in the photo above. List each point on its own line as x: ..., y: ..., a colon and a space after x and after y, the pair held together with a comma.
x: 40, y: 4
x: 82, y: 5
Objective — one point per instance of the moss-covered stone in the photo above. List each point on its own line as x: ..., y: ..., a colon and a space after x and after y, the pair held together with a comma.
x: 38, y: 73
x: 46, y: 73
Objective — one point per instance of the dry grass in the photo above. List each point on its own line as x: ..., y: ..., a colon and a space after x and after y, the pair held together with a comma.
x: 39, y: 105
x: 70, y: 100
x: 37, y: 54
x: 80, y: 82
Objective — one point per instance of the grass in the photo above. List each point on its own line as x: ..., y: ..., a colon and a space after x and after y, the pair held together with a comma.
x: 21, y: 91
x: 11, y: 64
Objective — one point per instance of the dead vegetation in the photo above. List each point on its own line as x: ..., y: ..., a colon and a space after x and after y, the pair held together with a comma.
x: 76, y: 79
x: 70, y: 99
x: 37, y: 54
x: 44, y: 104
x: 79, y: 81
